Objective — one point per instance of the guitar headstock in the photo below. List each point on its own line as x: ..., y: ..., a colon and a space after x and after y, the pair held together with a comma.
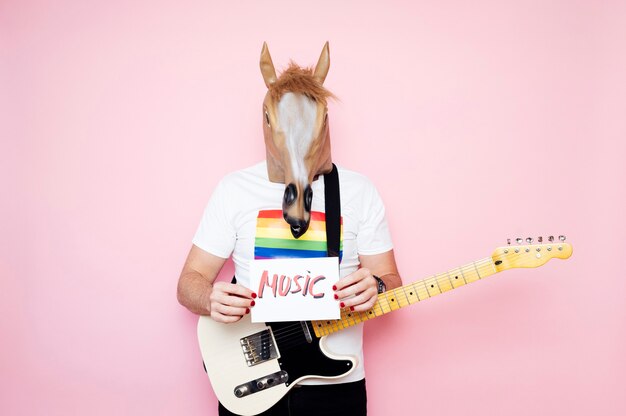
x: 529, y: 254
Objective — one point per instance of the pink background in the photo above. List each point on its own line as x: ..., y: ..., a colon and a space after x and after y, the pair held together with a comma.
x: 478, y: 121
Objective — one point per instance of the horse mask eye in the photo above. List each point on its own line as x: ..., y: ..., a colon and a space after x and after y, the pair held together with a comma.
x: 267, y: 119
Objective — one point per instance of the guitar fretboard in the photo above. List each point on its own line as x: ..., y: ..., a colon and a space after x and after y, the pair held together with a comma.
x: 408, y: 295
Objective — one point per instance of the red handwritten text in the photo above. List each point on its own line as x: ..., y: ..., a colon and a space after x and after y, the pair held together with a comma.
x: 283, y: 285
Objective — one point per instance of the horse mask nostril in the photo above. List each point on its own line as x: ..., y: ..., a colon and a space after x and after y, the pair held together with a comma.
x: 308, y: 198
x: 291, y: 194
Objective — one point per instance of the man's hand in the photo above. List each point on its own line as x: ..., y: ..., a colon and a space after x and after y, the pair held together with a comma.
x: 357, y: 291
x: 229, y: 302
x: 200, y: 293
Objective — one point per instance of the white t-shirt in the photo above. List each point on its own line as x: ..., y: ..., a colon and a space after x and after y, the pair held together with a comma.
x: 233, y: 224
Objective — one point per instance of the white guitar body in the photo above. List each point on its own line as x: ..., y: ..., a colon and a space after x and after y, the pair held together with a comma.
x: 263, y: 381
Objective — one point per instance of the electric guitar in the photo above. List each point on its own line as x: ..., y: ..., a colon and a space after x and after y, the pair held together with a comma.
x: 253, y: 365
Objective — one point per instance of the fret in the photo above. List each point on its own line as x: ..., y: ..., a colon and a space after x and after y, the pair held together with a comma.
x: 476, y: 268
x: 353, y: 317
x: 437, y: 283
x: 463, y: 274
x: 392, y: 300
x: 445, y: 284
x: 423, y: 289
x: 377, y: 310
x: 491, y: 268
x: 408, y: 302
x: 456, y: 277
x: 341, y: 321
x: 345, y: 318
x: 348, y: 317
x: 382, y: 304
x: 317, y: 328
x: 450, y: 280
x: 362, y: 316
x: 413, y: 294
x: 431, y: 288
x: 487, y: 268
x: 470, y: 273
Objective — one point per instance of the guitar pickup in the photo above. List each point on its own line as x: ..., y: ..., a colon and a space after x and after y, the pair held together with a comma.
x: 258, y: 348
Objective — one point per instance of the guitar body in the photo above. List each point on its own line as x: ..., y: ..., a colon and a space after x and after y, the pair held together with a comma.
x: 253, y: 365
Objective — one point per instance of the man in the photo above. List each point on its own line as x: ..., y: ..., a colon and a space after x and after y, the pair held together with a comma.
x: 298, y: 153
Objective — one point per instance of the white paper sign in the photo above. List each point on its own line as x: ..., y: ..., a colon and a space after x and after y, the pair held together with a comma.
x: 294, y: 289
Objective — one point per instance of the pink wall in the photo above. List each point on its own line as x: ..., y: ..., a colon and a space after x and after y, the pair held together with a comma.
x: 477, y: 120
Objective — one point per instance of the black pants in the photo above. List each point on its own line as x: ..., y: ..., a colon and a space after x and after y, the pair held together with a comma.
x: 344, y: 399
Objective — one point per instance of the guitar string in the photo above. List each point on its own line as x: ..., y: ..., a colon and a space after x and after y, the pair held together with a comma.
x: 284, y: 334
x: 295, y: 330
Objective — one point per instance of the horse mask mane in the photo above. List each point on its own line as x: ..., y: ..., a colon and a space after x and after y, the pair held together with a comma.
x: 295, y: 129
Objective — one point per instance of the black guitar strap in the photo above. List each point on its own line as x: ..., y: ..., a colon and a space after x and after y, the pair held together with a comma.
x: 333, y: 212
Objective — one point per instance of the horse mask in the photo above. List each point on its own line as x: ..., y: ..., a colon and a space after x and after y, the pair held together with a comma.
x: 295, y: 128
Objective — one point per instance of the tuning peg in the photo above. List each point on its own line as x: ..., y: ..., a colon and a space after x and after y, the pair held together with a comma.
x: 540, y: 239
x: 519, y: 240
x: 529, y: 240
x: 551, y: 238
x: 508, y: 241
x: 562, y: 238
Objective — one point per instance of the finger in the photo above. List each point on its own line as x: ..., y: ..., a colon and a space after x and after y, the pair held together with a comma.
x: 226, y: 319
x: 352, y: 278
x: 231, y: 300
x: 356, y: 288
x: 368, y: 296
x: 367, y: 305
x: 229, y: 310
x: 235, y: 289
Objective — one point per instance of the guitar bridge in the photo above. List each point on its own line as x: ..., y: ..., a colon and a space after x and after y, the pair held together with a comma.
x: 258, y: 348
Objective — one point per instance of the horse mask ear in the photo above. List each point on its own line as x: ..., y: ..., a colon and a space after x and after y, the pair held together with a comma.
x: 321, y: 69
x: 267, y: 66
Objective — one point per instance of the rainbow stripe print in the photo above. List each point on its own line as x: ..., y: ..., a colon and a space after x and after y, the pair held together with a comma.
x: 274, y: 240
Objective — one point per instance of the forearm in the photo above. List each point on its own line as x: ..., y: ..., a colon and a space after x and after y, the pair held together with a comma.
x: 194, y: 291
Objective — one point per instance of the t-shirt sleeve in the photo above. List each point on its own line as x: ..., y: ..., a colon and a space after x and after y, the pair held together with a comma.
x: 216, y: 232
x: 373, y: 236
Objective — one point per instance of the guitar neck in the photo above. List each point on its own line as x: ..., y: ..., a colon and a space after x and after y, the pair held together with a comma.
x: 408, y: 295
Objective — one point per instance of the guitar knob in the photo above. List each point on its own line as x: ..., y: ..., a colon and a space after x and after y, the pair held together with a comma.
x: 265, y: 382
x: 562, y: 238
x: 540, y: 239
x: 551, y: 238
x: 519, y: 240
x: 508, y: 241
x: 241, y: 391
x: 529, y: 240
